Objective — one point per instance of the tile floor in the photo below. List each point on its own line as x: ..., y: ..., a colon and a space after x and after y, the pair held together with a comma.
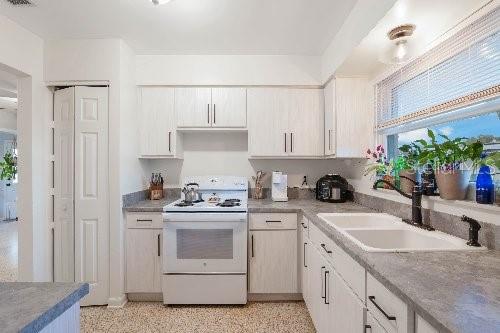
x: 255, y: 317
x: 8, y: 251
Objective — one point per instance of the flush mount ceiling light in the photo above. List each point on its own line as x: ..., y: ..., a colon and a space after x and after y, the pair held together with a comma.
x: 400, y: 49
x: 160, y: 2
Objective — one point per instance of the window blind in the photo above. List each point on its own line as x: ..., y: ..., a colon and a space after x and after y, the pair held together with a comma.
x: 459, y: 72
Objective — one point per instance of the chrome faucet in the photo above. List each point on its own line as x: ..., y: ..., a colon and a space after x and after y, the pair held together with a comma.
x: 416, y: 203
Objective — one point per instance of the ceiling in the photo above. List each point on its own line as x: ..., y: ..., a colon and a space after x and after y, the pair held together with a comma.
x: 295, y: 27
x: 432, y: 19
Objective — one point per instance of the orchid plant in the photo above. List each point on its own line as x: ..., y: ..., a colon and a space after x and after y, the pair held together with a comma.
x: 379, y: 163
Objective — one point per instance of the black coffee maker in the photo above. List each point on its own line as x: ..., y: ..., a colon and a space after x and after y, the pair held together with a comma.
x: 332, y: 188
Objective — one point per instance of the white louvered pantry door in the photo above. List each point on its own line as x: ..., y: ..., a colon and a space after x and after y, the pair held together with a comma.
x: 91, y: 192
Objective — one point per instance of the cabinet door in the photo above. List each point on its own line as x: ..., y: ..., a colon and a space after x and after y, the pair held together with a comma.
x: 305, y: 122
x: 303, y: 264
x: 157, y: 121
x: 372, y: 325
x: 273, y: 261
x: 268, y: 122
x: 355, y: 114
x: 141, y: 260
x: 193, y: 107
x: 315, y: 285
x: 229, y: 107
x: 329, y: 92
x: 347, y: 310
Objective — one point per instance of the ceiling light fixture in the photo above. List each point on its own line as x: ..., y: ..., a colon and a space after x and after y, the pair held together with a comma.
x: 401, y: 50
x: 160, y: 2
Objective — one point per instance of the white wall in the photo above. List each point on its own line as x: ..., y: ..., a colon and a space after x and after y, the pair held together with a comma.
x: 8, y: 120
x: 21, y: 53
x: 228, y: 70
x: 227, y: 154
x: 362, y: 18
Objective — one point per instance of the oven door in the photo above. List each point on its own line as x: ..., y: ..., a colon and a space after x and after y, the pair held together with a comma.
x: 205, y: 243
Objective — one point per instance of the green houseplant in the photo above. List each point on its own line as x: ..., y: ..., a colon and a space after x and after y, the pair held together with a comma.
x: 8, y: 167
x: 453, y: 161
x: 408, y: 163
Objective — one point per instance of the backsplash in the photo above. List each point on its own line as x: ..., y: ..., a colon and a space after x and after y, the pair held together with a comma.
x: 489, y: 235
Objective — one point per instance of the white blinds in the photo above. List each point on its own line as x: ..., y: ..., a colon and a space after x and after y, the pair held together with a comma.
x: 461, y: 71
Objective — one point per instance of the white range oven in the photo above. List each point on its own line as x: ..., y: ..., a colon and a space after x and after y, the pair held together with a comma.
x: 205, y: 244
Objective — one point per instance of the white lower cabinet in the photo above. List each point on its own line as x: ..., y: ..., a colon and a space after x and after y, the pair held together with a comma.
x: 143, y: 253
x: 422, y: 326
x: 372, y: 325
x: 272, y: 250
x: 347, y: 310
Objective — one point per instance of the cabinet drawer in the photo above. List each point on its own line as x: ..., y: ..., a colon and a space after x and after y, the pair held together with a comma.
x: 351, y: 271
x: 389, y: 310
x: 321, y: 241
x: 273, y: 221
x: 144, y: 220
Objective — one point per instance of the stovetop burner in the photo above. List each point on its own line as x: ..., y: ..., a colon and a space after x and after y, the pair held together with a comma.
x: 187, y: 204
x: 229, y: 203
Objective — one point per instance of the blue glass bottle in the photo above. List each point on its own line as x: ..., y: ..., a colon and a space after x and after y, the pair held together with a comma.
x: 485, y: 188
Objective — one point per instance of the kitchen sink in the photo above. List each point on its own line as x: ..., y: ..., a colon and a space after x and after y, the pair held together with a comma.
x: 375, y: 232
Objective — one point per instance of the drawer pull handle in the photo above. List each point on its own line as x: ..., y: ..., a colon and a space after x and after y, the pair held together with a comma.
x: 271, y: 221
x: 326, y: 250
x: 372, y: 299
x: 303, y: 225
x: 141, y: 220
x: 368, y: 327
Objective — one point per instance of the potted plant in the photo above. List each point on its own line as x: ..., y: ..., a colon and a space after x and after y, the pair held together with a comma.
x: 379, y: 165
x: 8, y: 167
x: 453, y: 161
x: 407, y: 164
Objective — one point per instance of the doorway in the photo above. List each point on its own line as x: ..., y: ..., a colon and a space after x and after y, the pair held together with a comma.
x: 9, y: 223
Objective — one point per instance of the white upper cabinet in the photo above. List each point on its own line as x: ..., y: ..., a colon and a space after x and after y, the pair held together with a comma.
x: 330, y: 125
x: 229, y: 107
x: 349, y: 114
x: 158, y: 137
x: 211, y: 107
x: 305, y: 122
x: 193, y: 107
x: 268, y: 122
x: 285, y: 122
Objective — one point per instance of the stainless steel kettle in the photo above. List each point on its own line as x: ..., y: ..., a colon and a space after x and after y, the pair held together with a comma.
x: 192, y: 192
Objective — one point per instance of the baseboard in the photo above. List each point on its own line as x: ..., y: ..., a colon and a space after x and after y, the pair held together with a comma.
x: 145, y: 297
x: 117, y: 302
x: 274, y: 297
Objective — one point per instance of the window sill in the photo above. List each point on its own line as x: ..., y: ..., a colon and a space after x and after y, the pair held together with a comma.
x: 484, y: 213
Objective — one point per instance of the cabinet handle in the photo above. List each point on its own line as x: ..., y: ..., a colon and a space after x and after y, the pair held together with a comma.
x: 303, y: 225
x: 322, y: 284
x: 330, y: 140
x: 285, y: 142
x: 304, y: 255
x: 252, y: 248
x: 208, y: 113
x: 368, y: 326
x: 326, y: 250
x: 327, y: 292
x: 144, y: 220
x: 291, y: 142
x: 214, y: 114
x: 169, y: 140
x: 159, y: 251
x: 372, y: 299
x: 273, y: 221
